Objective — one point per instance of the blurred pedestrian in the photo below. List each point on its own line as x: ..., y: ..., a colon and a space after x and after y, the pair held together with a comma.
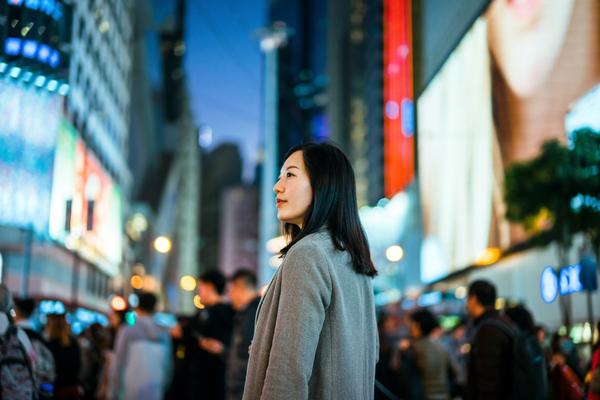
x: 565, y: 383
x: 116, y: 319
x: 316, y: 333
x: 593, y: 376
x: 210, y: 333
x: 141, y: 368
x: 44, y: 365
x: 17, y: 356
x: 244, y: 299
x: 386, y: 370
x: 490, y: 359
x: 67, y: 356
x: 538, y: 384
x: 93, y: 359
x: 433, y: 360
x: 458, y: 347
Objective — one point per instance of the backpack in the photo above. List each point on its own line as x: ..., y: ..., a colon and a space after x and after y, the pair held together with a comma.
x: 16, y: 369
x: 529, y: 372
x: 44, y: 368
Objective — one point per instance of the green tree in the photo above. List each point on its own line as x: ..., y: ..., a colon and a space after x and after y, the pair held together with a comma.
x: 561, y: 185
x: 585, y: 161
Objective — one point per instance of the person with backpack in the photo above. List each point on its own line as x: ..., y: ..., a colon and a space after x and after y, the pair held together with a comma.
x: 530, y: 355
x: 490, y: 365
x: 142, y: 365
x: 17, y: 357
x: 45, y: 367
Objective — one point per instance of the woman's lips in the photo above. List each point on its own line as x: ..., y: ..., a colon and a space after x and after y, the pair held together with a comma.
x: 524, y: 10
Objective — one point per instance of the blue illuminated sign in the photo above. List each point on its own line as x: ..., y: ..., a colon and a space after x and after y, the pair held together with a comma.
x: 54, y: 59
x: 12, y: 46
x: 549, y: 285
x: 408, y: 113
x: 29, y: 48
x: 32, y: 49
x: 569, y: 279
x: 52, y: 307
x: 44, y: 53
x: 52, y: 8
x: 566, y: 282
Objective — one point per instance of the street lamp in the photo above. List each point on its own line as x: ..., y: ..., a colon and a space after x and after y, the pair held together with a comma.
x: 188, y: 283
x: 394, y: 253
x: 162, y: 244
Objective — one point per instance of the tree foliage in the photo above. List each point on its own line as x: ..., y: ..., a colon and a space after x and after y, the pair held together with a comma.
x: 557, y: 194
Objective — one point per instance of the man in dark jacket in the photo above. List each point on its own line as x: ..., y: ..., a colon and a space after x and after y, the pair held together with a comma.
x: 490, y: 359
x: 244, y: 299
x: 210, y: 334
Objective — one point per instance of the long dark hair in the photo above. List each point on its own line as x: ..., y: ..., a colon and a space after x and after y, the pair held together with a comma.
x: 333, y: 204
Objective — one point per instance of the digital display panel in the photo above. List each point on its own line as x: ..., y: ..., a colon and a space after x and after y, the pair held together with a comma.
x: 504, y: 91
x: 86, y: 204
x: 28, y: 129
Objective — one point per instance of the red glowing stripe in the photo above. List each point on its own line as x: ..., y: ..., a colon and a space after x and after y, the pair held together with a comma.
x: 398, y: 128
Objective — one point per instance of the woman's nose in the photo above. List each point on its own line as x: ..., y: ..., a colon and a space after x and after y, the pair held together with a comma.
x: 277, y: 188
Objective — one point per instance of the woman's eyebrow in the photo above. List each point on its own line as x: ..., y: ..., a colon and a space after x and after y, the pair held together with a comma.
x: 288, y: 168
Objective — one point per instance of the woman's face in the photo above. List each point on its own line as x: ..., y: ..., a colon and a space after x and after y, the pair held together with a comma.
x: 294, y: 193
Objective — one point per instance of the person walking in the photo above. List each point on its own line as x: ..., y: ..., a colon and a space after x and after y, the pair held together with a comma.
x: 432, y: 358
x: 67, y: 356
x: 208, y: 339
x: 490, y: 363
x: 244, y: 299
x: 316, y: 330
x: 141, y: 368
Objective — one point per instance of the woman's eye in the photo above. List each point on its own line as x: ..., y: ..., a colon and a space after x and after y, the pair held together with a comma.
x: 289, y: 174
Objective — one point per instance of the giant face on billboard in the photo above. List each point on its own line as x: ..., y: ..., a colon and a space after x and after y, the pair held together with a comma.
x: 86, y: 207
x: 505, y: 89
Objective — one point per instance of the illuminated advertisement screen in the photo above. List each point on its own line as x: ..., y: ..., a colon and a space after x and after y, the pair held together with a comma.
x: 28, y: 127
x: 86, y: 208
x: 398, y: 125
x: 505, y: 89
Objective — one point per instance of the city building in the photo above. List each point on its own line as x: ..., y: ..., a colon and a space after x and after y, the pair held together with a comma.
x: 68, y: 106
x: 239, y: 230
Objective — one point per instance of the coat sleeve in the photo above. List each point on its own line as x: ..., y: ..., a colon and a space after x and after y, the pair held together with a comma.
x: 304, y: 297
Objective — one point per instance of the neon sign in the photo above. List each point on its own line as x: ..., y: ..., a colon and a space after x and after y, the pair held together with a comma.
x: 398, y: 95
x: 52, y: 8
x: 569, y: 281
x: 32, y: 49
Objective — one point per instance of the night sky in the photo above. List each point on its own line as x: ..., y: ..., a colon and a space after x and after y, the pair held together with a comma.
x: 223, y: 65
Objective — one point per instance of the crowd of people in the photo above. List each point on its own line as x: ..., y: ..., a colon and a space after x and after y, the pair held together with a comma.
x: 202, y: 357
x: 489, y: 354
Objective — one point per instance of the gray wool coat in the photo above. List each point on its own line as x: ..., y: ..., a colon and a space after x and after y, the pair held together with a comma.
x: 316, y: 331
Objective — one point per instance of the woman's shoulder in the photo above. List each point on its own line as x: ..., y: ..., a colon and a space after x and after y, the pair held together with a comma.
x: 317, y: 243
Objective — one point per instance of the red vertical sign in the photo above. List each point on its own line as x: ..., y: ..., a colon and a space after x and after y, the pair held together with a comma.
x: 398, y: 125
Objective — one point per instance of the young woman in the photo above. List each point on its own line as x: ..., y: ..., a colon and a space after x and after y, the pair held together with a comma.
x: 316, y: 331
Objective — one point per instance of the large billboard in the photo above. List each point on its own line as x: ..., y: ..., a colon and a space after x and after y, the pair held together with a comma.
x: 28, y: 125
x: 504, y: 90
x: 86, y: 208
